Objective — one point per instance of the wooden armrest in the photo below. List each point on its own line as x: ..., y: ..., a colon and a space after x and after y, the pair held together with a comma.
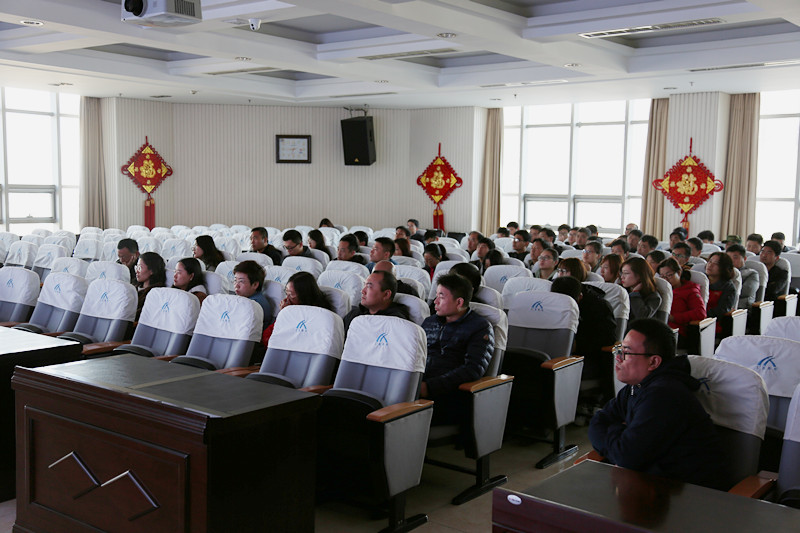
x: 485, y: 383
x: 54, y: 333
x: 166, y: 357
x: 593, y: 455
x: 398, y: 410
x: 787, y: 297
x: 10, y: 324
x: 762, y: 305
x: 736, y: 313
x: 317, y: 389
x: 101, y: 347
x: 703, y: 323
x: 755, y: 486
x: 559, y: 362
x: 239, y: 371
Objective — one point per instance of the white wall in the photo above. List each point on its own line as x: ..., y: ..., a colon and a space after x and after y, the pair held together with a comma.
x: 224, y: 170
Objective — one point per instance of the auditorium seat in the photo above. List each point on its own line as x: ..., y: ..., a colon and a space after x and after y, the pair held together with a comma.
x: 665, y: 291
x: 321, y: 257
x: 617, y: 297
x: 281, y: 274
x: 262, y: 259
x: 45, y: 256
x: 788, y: 484
x: 107, y: 270
x: 107, y: 313
x: 215, y: 283
x: 441, y: 269
x: 176, y: 248
x: 8, y: 238
x: 59, y: 304
x: 785, y: 327
x: 349, y: 282
x: 339, y: 299
x: 89, y: 249
x: 415, y: 273
x: 19, y: 291
x: 38, y: 240
x: 489, y: 296
x: 73, y: 265
x: 403, y: 260
x: 416, y: 286
x: 62, y: 240
x: 515, y: 285
x: 417, y: 308
x: 348, y: 266
x: 21, y: 254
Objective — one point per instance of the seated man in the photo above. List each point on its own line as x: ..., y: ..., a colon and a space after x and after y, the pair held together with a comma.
x: 707, y: 236
x: 682, y: 253
x: 675, y: 237
x: 430, y: 236
x: 362, y: 237
x: 473, y: 240
x: 695, y: 246
x: 348, y: 250
x: 592, y: 253
x: 656, y: 424
x: 484, y: 246
x: 413, y: 228
x: 402, y: 288
x: 633, y: 239
x: 260, y: 244
x: 534, y: 231
x: 520, y: 244
x: 402, y: 232
x: 754, y: 243
x: 460, y: 347
x: 377, y: 298
x: 781, y: 238
x: 563, y: 232
x: 128, y: 255
x: 747, y: 295
x: 513, y: 228
x: 630, y: 227
x: 581, y: 238
x: 382, y: 250
x: 248, y: 281
x: 503, y: 232
x: 293, y: 242
x: 647, y: 244
x: 621, y: 248
x: 732, y: 239
x: 777, y: 278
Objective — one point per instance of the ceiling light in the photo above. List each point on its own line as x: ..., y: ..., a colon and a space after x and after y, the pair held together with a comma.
x: 381, y: 81
x: 242, y: 58
x: 572, y: 65
x: 670, y: 88
x: 59, y: 84
x: 31, y: 22
x: 495, y: 99
x: 161, y: 96
x: 446, y: 35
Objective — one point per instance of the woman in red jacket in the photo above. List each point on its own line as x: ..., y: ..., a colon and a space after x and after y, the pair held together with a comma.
x: 687, y: 304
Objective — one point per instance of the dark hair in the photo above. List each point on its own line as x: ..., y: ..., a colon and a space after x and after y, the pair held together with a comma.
x: 430, y: 234
x: 404, y: 230
x: 658, y: 337
x: 260, y: 230
x: 458, y: 286
x: 672, y: 264
x: 252, y: 270
x: 495, y: 257
x: 737, y: 248
x: 650, y: 241
x: 352, y: 242
x: 552, y: 251
x: 575, y: 267
x: 614, y: 261
x: 592, y: 228
x: 387, y: 244
x: 158, y: 270
x: 470, y: 272
x: 778, y: 236
x: 697, y: 243
x: 657, y: 255
x: 725, y: 265
x: 502, y: 230
x: 596, y: 246
x: 325, y: 223
x: 318, y: 238
x: 487, y: 241
x: 564, y: 226
x: 585, y: 231
x: 192, y: 267
x: 293, y: 235
x: 636, y: 233
x: 388, y: 281
x: 433, y: 249
x: 413, y: 221
x: 211, y: 254
x: 679, y: 234
x: 621, y: 242
x: 543, y: 243
x: 775, y: 246
x: 307, y: 290
x: 682, y: 246
x: 706, y: 235
x: 682, y: 231
x: 522, y: 234
x: 536, y: 227
x: 642, y: 271
x: 130, y: 244
x: 513, y: 225
x: 755, y: 237
x: 478, y: 233
x: 405, y: 248
x: 567, y: 285
x: 362, y: 237
x: 549, y: 233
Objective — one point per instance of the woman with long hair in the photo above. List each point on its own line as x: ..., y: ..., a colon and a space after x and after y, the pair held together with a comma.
x: 687, y: 303
x: 572, y: 266
x: 401, y: 247
x: 432, y: 256
x: 609, y: 268
x: 316, y: 240
x: 205, y: 250
x: 637, y: 278
x: 493, y: 258
x: 189, y: 277
x: 721, y: 292
x: 301, y: 289
x: 150, y: 273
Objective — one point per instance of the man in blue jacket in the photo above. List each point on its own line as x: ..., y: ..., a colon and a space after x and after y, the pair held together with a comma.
x: 460, y: 346
x: 656, y: 424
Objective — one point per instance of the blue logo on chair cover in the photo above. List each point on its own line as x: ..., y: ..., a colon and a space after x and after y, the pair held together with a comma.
x: 10, y: 283
x: 297, y: 268
x: 382, y: 341
x: 301, y: 326
x: 704, y: 383
x: 66, y: 269
x: 537, y: 306
x: 231, y: 276
x: 104, y: 297
x: 767, y: 364
x: 503, y: 279
x: 225, y: 317
x: 278, y: 278
x: 337, y: 286
x: 165, y: 307
x: 57, y: 288
x: 102, y: 275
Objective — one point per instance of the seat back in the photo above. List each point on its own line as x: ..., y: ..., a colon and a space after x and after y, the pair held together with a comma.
x: 338, y: 298
x: 21, y: 254
x: 226, y: 332
x: 504, y: 243
x: 61, y: 240
x: 408, y: 261
x: 417, y: 308
x: 619, y: 300
x: 60, y: 302
x: 489, y: 296
x: 346, y: 281
x: 281, y: 274
x: 665, y: 291
x: 499, y: 321
x: 776, y: 360
x: 793, y: 259
x: 8, y: 239
x: 524, y: 284
x: 305, y: 346
x: 789, y: 470
x: 763, y: 276
x: 149, y: 244
x: 19, y: 291
x: 785, y: 327
x: 702, y: 281
x: 45, y: 256
x: 496, y: 276
x: 88, y: 248
x: 349, y: 266
x: 545, y: 321
x: 72, y: 265
x: 167, y: 321
x: 321, y: 256
x: 418, y: 288
x: 331, y: 236
x: 107, y: 270
x: 107, y: 311
x: 176, y: 248
x: 441, y: 269
x: 34, y: 238
x: 415, y: 273
x: 228, y: 244
x: 225, y: 269
x: 274, y: 292
x: 384, y: 358
x: 304, y: 264
x: 736, y: 400
x: 454, y: 253
x: 262, y: 259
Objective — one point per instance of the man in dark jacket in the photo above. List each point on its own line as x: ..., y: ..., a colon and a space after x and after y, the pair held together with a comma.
x: 460, y: 347
x: 377, y: 298
x: 656, y: 424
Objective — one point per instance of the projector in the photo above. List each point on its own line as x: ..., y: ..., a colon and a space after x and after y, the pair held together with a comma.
x: 161, y: 13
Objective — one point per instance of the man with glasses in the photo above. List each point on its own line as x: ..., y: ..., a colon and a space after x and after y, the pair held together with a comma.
x: 520, y: 244
x: 682, y: 253
x: 128, y: 255
x: 656, y: 424
x: 293, y: 242
x: 592, y: 254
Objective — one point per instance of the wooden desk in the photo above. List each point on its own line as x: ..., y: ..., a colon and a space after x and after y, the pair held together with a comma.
x: 601, y: 498
x: 132, y: 444
x: 30, y: 350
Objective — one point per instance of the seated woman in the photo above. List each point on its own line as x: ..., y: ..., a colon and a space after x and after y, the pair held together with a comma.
x: 325, y: 223
x: 189, y: 277
x: 572, y: 266
x: 301, y: 289
x: 150, y: 273
x: 433, y: 256
x: 205, y: 250
x: 493, y: 257
x: 548, y: 260
x: 401, y: 247
x: 687, y: 304
x: 637, y: 277
x: 609, y: 268
x: 721, y: 292
x: 316, y: 240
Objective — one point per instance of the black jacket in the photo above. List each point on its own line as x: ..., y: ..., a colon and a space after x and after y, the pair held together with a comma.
x: 597, y: 326
x: 394, y: 309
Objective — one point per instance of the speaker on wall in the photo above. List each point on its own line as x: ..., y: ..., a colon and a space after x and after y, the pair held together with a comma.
x: 358, y: 140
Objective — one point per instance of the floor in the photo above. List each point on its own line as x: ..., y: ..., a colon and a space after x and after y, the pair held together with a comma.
x: 433, y: 496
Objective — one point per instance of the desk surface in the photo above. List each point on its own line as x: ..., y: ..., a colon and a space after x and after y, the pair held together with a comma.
x: 16, y: 341
x: 603, y: 497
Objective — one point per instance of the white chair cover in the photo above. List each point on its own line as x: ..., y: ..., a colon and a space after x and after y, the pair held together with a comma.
x: 415, y: 273
x: 453, y: 252
x: 38, y: 240
x: 149, y: 244
x: 230, y: 317
x: 228, y: 244
x: 489, y: 296
x: 515, y: 285
x: 365, y: 229
x: 110, y: 298
x: 419, y: 288
x: 339, y: 299
x: 304, y: 264
x: 702, y: 280
x: 504, y: 243
x: 48, y: 253
x: 349, y: 266
x: 162, y: 237
x: 262, y: 259
x: 107, y: 270
x: 320, y: 256
x: 215, y: 283
x: 171, y: 310
x: 159, y: 229
x: 594, y: 276
x: 409, y: 261
x: 665, y: 291
x: 61, y: 240
x: 386, y: 341
x: 217, y: 227
x: 496, y: 276
x: 349, y: 282
x: 616, y: 296
x: 114, y: 231
x: 417, y: 308
x: 8, y: 238
x: 19, y: 285
x: 331, y: 236
x: 239, y: 228
x: 792, y: 431
x: 63, y: 290
x: 281, y: 274
x: 441, y: 269
x: 176, y: 248
x: 724, y: 388
x: 512, y: 261
x: 42, y: 232
x: 22, y: 253
x: 447, y: 241
x: 498, y: 319
x: 776, y: 360
x: 785, y: 327
x: 200, y: 229
x: 225, y: 269
x: 73, y: 265
x: 542, y: 310
x: 89, y: 249
x: 136, y: 228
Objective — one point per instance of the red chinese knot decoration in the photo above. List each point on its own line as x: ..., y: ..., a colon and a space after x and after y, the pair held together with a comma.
x: 688, y: 184
x: 439, y: 180
x: 147, y: 169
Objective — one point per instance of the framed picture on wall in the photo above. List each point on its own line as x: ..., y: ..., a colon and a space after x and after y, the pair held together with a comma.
x: 293, y: 148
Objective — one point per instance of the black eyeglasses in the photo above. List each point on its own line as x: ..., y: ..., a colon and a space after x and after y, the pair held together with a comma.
x: 620, y: 354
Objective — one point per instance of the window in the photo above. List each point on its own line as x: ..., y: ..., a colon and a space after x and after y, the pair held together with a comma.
x: 574, y: 163
x: 778, y: 178
x: 40, y: 160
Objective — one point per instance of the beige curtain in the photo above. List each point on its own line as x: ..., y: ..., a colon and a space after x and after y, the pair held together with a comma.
x: 493, y: 150
x: 738, y: 196
x: 93, y: 206
x: 655, y: 166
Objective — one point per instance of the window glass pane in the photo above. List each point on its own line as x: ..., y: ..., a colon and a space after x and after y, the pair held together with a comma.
x: 546, y: 160
x: 509, y: 207
x: 637, y: 145
x: 30, y: 149
x: 69, y: 104
x: 639, y: 109
x: 777, y: 158
x: 600, y: 112
x: 30, y: 205
x: 70, y: 198
x: 28, y: 100
x: 633, y: 211
x: 512, y: 116
x: 70, y: 150
x: 509, y: 171
x: 604, y: 215
x: 27, y: 228
x: 600, y: 151
x: 548, y: 114
x: 775, y: 216
x: 780, y: 102
x: 546, y: 212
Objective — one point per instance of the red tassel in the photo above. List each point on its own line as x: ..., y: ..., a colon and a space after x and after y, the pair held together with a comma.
x: 150, y: 212
x: 438, y: 218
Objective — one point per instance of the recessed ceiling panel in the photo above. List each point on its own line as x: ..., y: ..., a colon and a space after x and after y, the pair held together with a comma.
x: 143, y: 52
x: 462, y: 59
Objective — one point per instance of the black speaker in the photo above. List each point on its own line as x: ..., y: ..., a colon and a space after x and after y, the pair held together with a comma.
x: 358, y: 140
